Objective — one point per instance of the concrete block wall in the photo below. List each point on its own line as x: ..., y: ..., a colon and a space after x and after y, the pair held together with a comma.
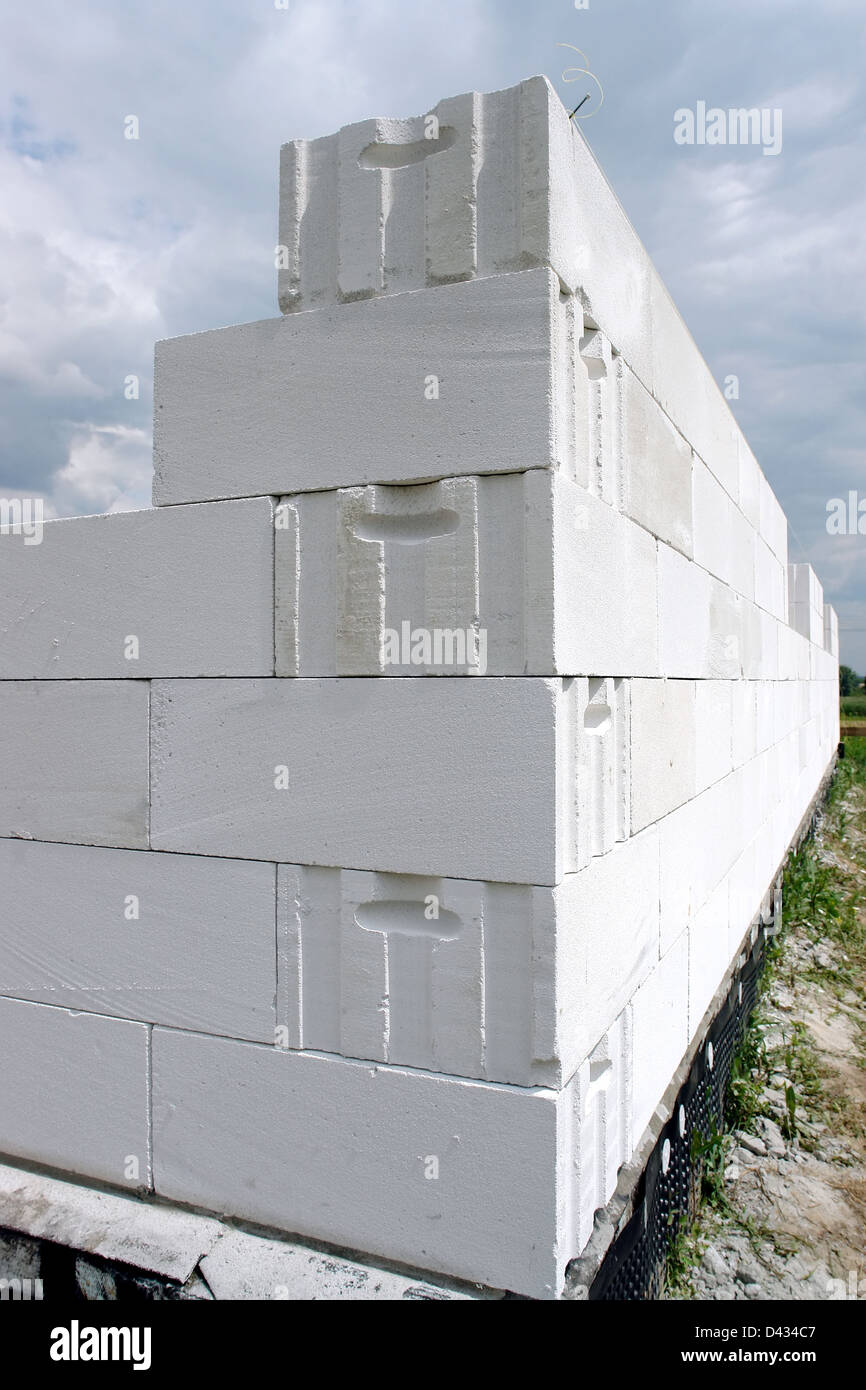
x: 384, y: 807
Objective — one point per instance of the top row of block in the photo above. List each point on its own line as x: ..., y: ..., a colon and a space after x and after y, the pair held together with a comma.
x: 429, y: 377
x: 482, y: 185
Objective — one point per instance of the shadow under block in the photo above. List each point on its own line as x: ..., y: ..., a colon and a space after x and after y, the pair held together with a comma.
x: 138, y: 594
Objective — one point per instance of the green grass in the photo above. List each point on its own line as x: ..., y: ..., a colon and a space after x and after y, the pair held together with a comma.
x: 854, y: 706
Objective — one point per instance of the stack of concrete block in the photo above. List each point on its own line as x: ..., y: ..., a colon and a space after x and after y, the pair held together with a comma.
x: 383, y: 809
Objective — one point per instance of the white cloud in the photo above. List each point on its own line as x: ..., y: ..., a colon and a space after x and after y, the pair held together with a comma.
x: 109, y: 470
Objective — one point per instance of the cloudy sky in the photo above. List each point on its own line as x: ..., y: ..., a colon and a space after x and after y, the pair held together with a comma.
x: 107, y: 244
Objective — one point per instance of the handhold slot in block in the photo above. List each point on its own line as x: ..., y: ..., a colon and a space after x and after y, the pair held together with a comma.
x: 407, y: 529
x: 388, y: 155
x: 407, y: 919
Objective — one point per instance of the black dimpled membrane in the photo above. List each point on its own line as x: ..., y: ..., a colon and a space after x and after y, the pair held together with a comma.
x: 634, y: 1266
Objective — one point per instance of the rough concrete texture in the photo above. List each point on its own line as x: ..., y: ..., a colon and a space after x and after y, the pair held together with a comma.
x: 134, y: 594
x: 525, y: 574
x: 430, y: 384
x: 658, y: 467
x: 157, y: 1239
x: 243, y: 1266
x: 164, y: 938
x: 77, y: 1096
x: 391, y: 560
x: 442, y: 974
x: 399, y: 775
x: 431, y: 1170
x: 507, y: 983
x: 75, y: 760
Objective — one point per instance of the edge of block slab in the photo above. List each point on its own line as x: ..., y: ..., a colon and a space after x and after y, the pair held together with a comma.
x: 159, y: 1239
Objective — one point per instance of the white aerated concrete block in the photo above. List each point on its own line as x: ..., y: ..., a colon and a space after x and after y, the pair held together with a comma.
x: 77, y: 1096
x: 657, y: 467
x: 698, y: 843
x: 142, y: 594
x: 795, y: 654
x: 605, y: 584
x: 502, y: 982
x: 770, y: 581
x: 724, y: 543
x: 663, y: 748
x: 660, y: 1030
x: 744, y: 721
x: 425, y: 385
x: 520, y: 574
x: 164, y: 938
x: 703, y: 623
x: 806, y: 603
x: 403, y: 776
x: 610, y: 941
x: 729, y: 626
x: 479, y: 187
x: 485, y: 183
x: 713, y: 732
x: 747, y: 887
x: 709, y: 952
x: 75, y: 761
x: 823, y: 666
x: 749, y: 492
x: 598, y: 747
x: 831, y: 630
x: 443, y: 974
x: 398, y: 775
x: 388, y: 579
x: 683, y: 385
x: 774, y: 523
x: 602, y: 1125
x: 425, y: 1170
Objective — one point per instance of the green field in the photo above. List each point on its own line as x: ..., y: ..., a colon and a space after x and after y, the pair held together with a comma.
x: 853, y: 706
